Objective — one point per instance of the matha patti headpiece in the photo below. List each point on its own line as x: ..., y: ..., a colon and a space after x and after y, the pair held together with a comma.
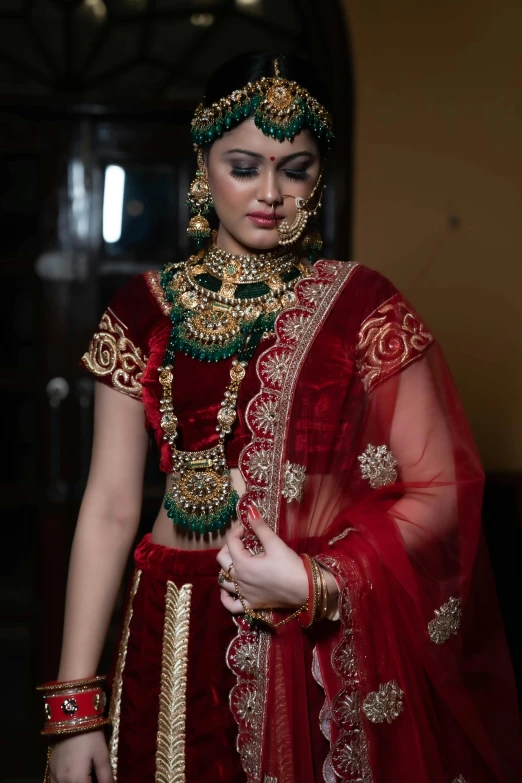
x: 281, y: 108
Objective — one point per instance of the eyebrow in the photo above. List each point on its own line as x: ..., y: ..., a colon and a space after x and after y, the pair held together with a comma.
x: 285, y: 159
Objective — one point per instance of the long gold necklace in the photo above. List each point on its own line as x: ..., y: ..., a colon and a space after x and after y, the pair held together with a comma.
x: 212, y: 325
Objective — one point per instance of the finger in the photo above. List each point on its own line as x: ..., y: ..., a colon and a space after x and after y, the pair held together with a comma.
x: 234, y: 606
x: 103, y: 771
x: 260, y: 527
x: 228, y: 586
x: 224, y: 558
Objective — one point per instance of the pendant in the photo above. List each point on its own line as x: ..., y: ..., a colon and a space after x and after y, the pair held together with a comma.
x: 201, y: 498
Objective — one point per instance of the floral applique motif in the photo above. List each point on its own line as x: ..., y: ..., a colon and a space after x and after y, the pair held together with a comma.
x: 385, y: 704
x: 294, y: 481
x: 378, y: 466
x: 446, y: 622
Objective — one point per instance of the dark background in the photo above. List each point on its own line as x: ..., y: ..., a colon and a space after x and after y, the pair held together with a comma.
x: 85, y: 84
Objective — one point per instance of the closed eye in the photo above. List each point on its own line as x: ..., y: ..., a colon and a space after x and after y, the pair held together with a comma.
x: 243, y: 173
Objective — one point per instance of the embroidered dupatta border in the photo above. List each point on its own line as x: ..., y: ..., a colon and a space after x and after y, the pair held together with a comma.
x: 262, y: 467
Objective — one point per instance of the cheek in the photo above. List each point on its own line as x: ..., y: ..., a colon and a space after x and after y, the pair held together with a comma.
x: 229, y: 196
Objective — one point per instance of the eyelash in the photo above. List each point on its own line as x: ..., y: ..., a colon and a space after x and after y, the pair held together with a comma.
x: 298, y: 175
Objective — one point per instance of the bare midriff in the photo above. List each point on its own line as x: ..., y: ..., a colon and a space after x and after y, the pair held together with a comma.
x: 164, y: 532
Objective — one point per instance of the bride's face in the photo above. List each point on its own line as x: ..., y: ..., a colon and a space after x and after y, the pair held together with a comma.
x: 248, y: 173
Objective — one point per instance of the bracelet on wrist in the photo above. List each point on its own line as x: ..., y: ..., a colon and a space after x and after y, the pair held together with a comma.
x: 317, y: 603
x: 73, y: 707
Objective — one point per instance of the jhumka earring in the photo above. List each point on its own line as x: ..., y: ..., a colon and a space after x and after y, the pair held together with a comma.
x: 200, y: 202
x: 291, y: 232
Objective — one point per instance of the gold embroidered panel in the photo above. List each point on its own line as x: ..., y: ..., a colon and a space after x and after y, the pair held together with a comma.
x: 112, y: 355
x: 446, y: 622
x: 115, y: 708
x: 392, y: 337
x: 385, y: 704
x: 170, y: 749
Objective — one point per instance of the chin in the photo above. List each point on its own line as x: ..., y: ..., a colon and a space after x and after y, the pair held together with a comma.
x: 260, y: 240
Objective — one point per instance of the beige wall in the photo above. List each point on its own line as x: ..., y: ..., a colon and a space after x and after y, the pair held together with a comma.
x: 439, y: 133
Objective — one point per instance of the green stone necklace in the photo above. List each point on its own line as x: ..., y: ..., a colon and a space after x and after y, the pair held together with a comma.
x: 213, y: 319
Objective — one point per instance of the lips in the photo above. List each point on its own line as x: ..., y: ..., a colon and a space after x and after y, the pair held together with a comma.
x: 265, y: 215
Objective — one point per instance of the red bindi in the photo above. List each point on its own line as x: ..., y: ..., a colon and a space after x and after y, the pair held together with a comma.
x: 272, y: 157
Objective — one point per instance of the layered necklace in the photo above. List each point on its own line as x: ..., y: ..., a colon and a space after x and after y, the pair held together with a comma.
x: 221, y: 306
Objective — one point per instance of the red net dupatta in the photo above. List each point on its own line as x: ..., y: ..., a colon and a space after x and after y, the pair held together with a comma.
x: 361, y: 455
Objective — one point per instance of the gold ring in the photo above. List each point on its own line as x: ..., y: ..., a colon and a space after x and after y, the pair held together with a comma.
x: 227, y: 573
x: 221, y: 577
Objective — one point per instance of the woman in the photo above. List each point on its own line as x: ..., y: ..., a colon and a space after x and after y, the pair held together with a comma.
x: 315, y: 447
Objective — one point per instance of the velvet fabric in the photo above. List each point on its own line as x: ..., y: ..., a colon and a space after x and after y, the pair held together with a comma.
x: 210, y: 752
x: 198, y: 386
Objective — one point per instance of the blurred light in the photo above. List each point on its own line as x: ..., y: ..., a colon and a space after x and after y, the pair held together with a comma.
x: 79, y: 199
x: 248, y: 3
x: 202, y: 20
x: 113, y: 203
x: 95, y: 8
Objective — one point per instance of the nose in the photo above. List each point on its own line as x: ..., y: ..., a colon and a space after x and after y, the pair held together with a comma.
x: 269, y: 191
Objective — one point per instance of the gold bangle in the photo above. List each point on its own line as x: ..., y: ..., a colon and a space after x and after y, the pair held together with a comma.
x: 316, y: 573
x: 324, y: 593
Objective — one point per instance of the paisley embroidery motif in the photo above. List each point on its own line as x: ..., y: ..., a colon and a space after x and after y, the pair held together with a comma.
x: 446, y: 622
x: 112, y: 353
x: 392, y: 337
x: 294, y: 480
x: 385, y: 704
x: 378, y: 466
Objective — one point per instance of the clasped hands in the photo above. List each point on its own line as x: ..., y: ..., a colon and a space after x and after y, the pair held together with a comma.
x: 274, y: 579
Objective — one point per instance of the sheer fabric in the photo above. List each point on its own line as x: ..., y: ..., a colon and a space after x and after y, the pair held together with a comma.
x: 361, y: 455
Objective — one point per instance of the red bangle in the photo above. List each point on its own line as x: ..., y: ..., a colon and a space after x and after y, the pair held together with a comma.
x: 73, y: 707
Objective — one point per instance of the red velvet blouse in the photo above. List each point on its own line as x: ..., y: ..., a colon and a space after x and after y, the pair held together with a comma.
x: 127, y: 350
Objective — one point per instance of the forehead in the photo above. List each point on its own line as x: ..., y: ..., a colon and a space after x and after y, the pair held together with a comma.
x: 248, y: 136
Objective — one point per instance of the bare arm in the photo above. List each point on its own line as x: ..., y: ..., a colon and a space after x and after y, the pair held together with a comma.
x: 107, y: 524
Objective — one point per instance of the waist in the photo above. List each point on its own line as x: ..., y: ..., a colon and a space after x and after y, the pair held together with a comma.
x: 165, y: 561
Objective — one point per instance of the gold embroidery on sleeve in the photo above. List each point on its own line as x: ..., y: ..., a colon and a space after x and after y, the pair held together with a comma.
x: 392, y: 337
x: 112, y: 353
x: 153, y: 282
x: 294, y: 479
x: 115, y: 708
x: 378, y: 466
x: 170, y: 750
x: 385, y: 704
x: 446, y: 622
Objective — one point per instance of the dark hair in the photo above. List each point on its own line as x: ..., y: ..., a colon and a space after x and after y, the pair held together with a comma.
x: 251, y: 66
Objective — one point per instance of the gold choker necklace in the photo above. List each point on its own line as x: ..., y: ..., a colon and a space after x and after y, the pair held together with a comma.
x: 236, y: 268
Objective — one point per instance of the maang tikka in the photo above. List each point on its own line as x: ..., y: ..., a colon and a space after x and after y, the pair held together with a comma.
x: 200, y: 202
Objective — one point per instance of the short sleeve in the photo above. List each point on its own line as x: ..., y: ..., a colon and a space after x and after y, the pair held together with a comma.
x: 391, y: 335
x: 115, y: 356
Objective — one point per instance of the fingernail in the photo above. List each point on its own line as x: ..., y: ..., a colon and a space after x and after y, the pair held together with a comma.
x: 253, y: 512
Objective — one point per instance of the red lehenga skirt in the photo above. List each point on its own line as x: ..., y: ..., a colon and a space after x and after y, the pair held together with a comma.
x: 171, y: 718
x: 169, y: 704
